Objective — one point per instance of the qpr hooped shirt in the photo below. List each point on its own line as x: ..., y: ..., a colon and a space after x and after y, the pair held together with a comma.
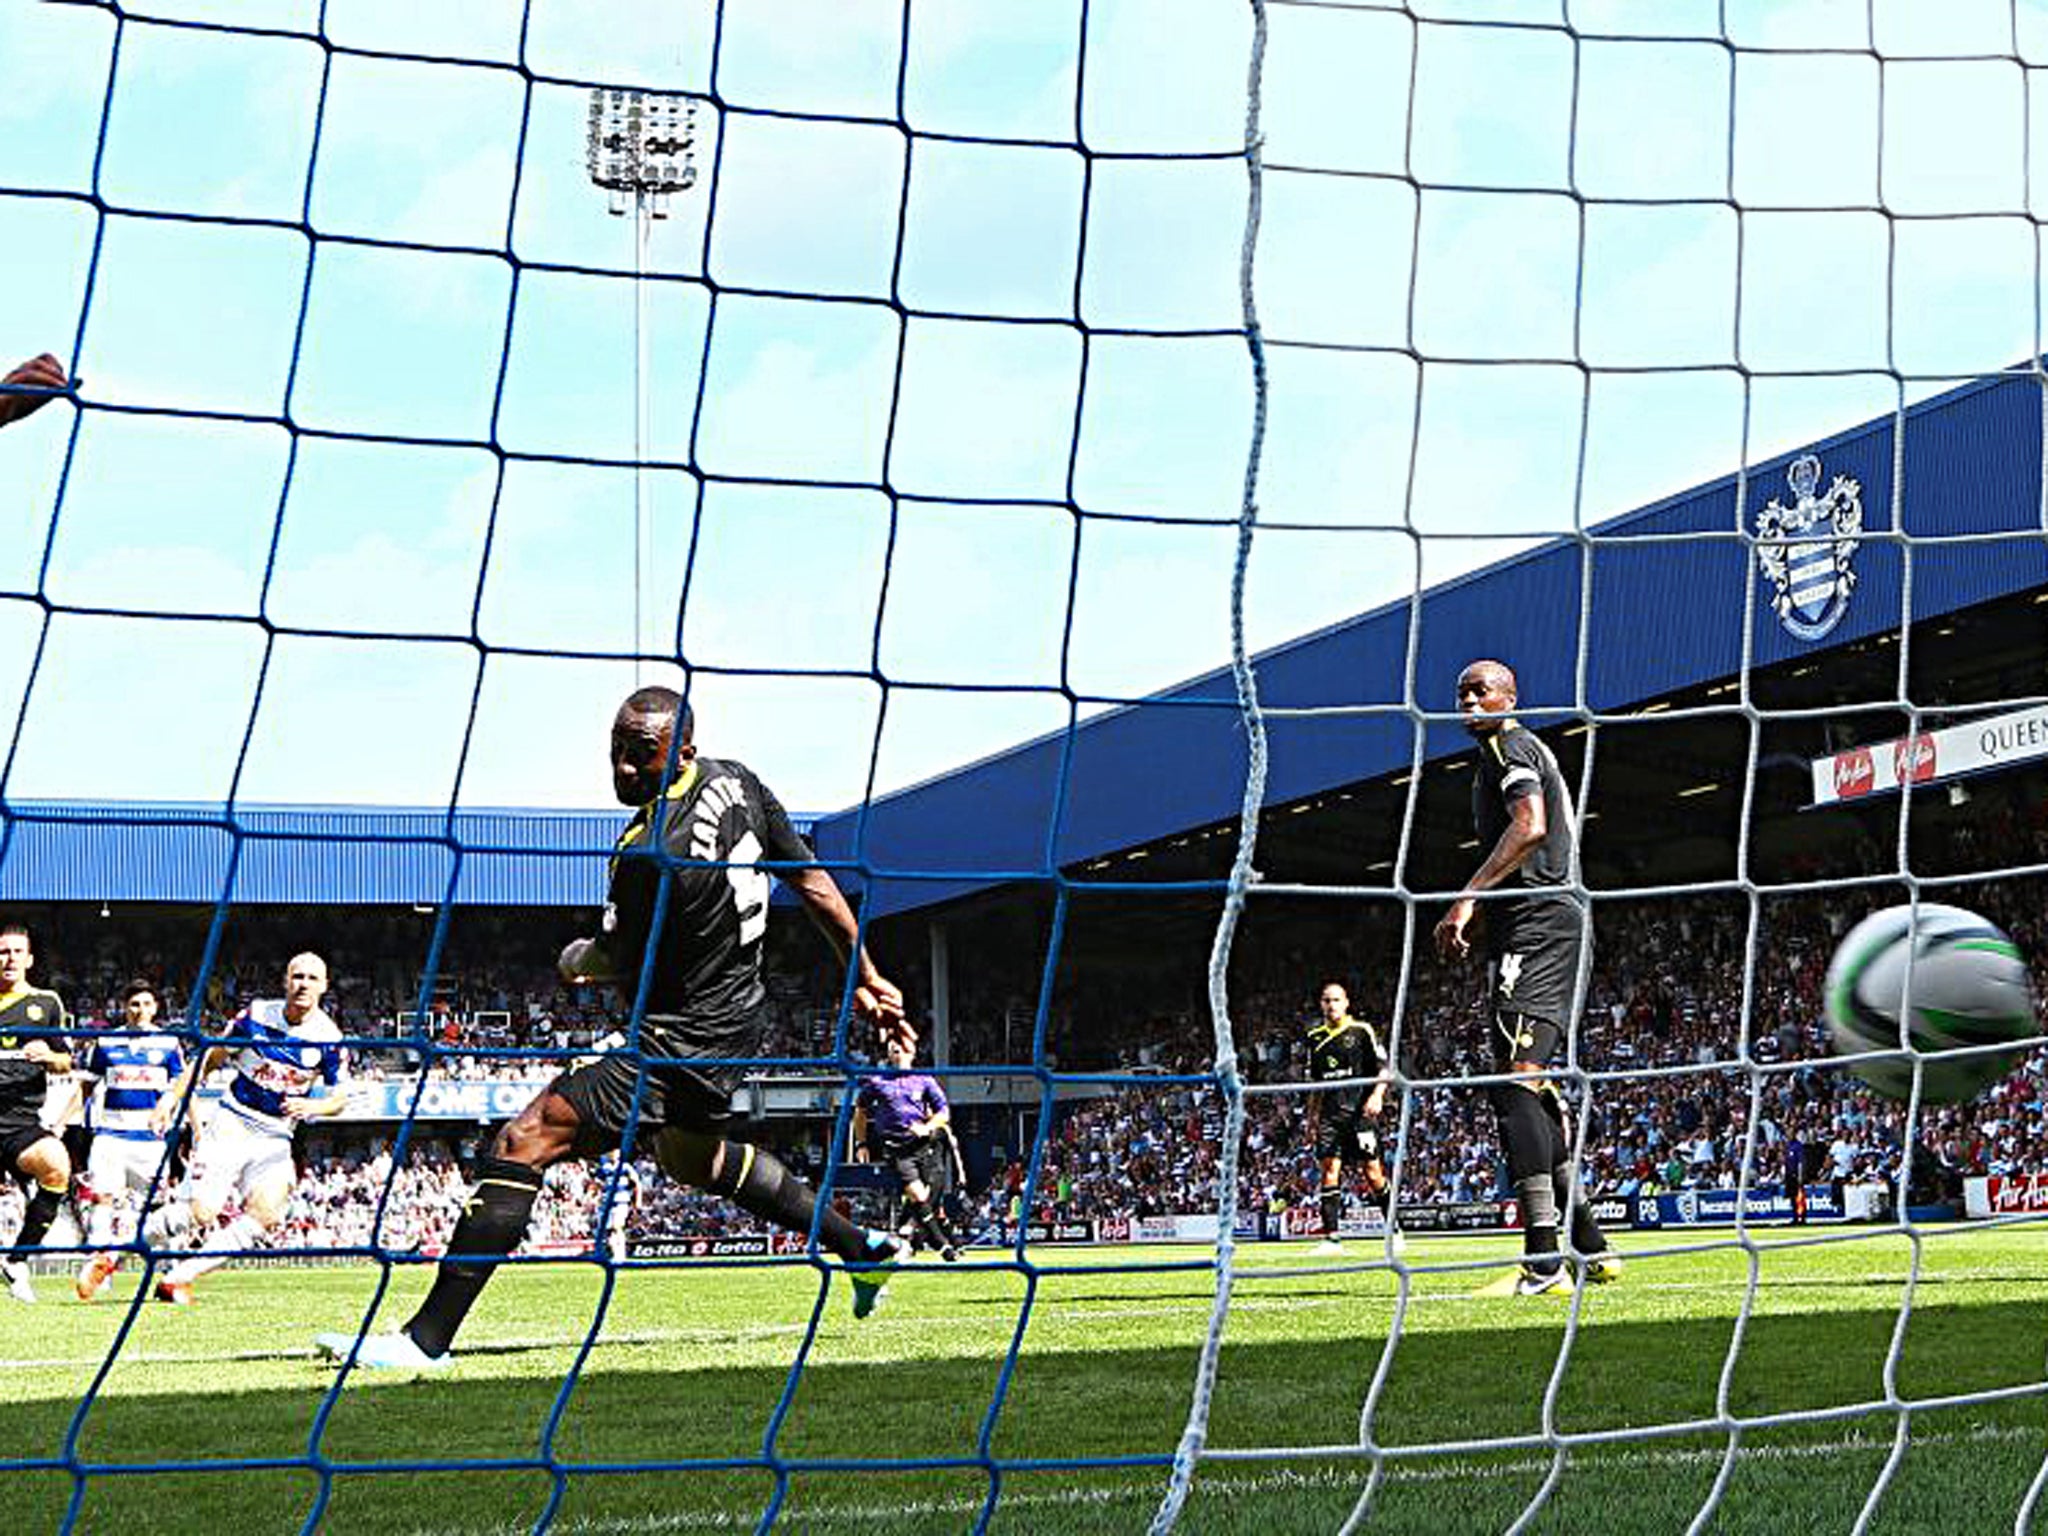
x: 133, y: 1073
x: 283, y: 1061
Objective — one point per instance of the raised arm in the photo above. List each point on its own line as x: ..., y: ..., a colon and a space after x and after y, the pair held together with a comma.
x: 40, y: 372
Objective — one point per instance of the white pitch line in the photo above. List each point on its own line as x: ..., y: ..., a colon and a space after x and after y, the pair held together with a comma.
x: 884, y: 1516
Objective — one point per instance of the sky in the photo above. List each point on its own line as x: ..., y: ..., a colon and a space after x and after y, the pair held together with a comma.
x: 1516, y: 276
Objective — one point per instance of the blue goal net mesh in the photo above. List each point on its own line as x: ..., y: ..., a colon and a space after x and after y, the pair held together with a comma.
x: 960, y: 374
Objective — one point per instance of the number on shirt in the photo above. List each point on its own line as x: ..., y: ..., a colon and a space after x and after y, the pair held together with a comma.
x: 749, y: 887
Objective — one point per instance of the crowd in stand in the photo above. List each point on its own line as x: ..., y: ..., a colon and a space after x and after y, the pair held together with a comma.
x: 338, y: 1195
x: 1668, y: 1103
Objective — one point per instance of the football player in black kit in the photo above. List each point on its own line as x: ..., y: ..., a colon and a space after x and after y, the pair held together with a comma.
x: 1343, y: 1120
x: 32, y: 1050
x: 701, y: 833
x: 1534, y: 942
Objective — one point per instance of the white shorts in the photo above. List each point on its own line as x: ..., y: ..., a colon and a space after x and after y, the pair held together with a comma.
x: 234, y: 1155
x: 119, y: 1165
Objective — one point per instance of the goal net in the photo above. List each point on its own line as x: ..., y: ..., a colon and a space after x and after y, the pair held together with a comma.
x: 964, y: 375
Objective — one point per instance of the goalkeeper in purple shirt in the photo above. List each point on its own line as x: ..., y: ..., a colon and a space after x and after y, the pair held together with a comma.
x: 904, y: 1121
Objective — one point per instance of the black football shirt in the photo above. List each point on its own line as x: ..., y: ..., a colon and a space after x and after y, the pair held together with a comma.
x: 1349, y: 1049
x: 1538, y: 905
x: 23, y: 1083
x: 713, y: 823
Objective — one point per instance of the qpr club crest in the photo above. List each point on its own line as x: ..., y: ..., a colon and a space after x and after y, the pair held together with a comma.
x: 1812, y: 543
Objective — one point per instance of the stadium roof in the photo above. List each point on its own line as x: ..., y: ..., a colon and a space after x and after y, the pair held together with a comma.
x: 103, y: 851
x: 280, y: 854
x: 1668, y: 597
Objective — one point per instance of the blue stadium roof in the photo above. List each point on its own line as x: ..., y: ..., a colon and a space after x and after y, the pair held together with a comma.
x: 101, y: 851
x: 305, y: 854
x: 1668, y: 596
x: 1659, y: 613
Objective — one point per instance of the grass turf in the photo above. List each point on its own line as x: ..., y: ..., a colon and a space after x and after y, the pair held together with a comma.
x: 691, y: 1366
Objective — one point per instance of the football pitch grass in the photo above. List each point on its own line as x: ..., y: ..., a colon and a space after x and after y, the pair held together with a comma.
x: 691, y: 1363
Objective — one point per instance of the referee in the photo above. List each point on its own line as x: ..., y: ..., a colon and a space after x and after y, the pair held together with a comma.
x: 903, y: 1121
x: 1535, y: 934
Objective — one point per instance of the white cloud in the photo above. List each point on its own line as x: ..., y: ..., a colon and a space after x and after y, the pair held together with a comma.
x: 807, y: 206
x: 190, y: 733
x: 1660, y: 286
x: 1335, y: 89
x: 1813, y: 290
x: 53, y: 81
x: 812, y: 55
x: 993, y: 67
x: 1652, y: 120
x: 977, y: 594
x: 785, y: 578
x: 1954, y: 138
x: 658, y: 44
x: 402, y: 342
x: 1496, y: 274
x: 326, y: 704
x: 991, y: 229
x: 168, y: 515
x: 225, y: 125
x: 377, y: 537
x: 1492, y: 107
x: 470, y: 29
x: 985, y: 410
x: 1166, y: 75
x: 417, y: 152
x: 1805, y: 130
x: 1165, y: 240
x: 194, y: 316
x: 798, y: 390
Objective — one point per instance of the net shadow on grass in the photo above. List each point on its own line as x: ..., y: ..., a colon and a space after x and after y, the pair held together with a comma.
x: 459, y: 1444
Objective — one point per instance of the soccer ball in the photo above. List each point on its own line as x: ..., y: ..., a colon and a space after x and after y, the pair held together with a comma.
x: 1967, y: 986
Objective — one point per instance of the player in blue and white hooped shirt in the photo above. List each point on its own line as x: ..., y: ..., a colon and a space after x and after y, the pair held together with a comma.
x: 130, y: 1073
x: 284, y: 1051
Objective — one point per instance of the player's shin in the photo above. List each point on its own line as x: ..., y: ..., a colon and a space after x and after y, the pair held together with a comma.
x: 43, y: 1206
x: 103, y: 1223
x: 1539, y: 1220
x: 1587, y: 1238
x: 1331, y: 1202
x: 493, y: 1221
x: 758, y: 1184
x: 1527, y: 1135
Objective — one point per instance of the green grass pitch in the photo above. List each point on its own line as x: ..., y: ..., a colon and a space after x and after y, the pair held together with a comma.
x: 690, y: 1363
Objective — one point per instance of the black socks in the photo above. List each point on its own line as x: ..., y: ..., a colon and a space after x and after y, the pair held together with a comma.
x: 758, y: 1184
x: 43, y: 1206
x: 493, y: 1222
x: 924, y: 1215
